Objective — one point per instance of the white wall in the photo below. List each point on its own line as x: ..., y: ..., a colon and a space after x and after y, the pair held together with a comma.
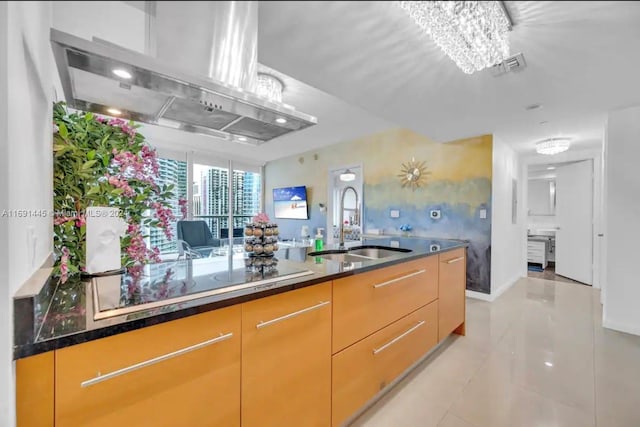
x: 6, y: 374
x: 26, y: 175
x: 506, y: 238
x: 113, y: 21
x: 622, y: 188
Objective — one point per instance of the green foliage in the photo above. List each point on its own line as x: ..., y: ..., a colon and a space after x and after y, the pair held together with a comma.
x: 84, y: 158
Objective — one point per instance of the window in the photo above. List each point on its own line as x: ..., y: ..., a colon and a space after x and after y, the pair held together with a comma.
x: 208, y: 193
x: 210, y: 199
x: 172, y: 172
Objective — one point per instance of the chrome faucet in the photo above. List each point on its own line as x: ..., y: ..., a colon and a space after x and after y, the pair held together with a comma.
x: 344, y: 191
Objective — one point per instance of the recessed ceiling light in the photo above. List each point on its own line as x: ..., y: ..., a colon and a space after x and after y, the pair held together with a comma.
x: 124, y: 74
x: 281, y: 120
x: 242, y: 138
x: 549, y: 364
x: 550, y: 168
x: 114, y: 111
x: 533, y: 107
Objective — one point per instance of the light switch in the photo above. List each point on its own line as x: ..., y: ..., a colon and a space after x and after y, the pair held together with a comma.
x: 483, y: 214
x: 395, y: 213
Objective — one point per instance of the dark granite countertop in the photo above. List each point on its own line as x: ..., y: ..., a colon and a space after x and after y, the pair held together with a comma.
x: 61, y: 315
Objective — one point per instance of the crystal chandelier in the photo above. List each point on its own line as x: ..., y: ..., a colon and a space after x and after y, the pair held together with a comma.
x: 270, y: 87
x: 553, y: 146
x: 472, y: 33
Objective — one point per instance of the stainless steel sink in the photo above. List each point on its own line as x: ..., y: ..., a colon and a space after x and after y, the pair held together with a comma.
x: 345, y: 257
x: 359, y: 254
x: 377, y: 252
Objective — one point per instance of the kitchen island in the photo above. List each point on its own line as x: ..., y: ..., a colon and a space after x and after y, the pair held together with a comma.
x: 309, y: 344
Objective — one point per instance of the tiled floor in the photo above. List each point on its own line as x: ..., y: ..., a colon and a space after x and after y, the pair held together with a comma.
x: 549, y: 273
x: 537, y: 356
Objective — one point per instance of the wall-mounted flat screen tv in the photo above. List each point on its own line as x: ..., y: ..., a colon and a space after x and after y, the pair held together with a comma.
x: 290, y: 202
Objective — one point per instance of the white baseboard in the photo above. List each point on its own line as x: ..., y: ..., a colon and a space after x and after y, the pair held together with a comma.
x: 495, y: 294
x: 634, y: 330
x: 479, y: 295
x: 502, y: 289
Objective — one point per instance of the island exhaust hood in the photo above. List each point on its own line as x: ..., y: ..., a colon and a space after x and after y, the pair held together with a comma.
x: 215, y: 41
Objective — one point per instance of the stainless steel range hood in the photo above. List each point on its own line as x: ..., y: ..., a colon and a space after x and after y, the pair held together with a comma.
x: 160, y: 92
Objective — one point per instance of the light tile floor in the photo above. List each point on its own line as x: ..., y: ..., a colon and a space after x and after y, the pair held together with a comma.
x: 537, y: 356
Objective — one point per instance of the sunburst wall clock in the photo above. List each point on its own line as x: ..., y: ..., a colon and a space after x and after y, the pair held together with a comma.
x: 413, y: 174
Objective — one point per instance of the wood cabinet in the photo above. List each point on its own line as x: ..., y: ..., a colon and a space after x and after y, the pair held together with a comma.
x: 184, y: 372
x: 307, y: 357
x: 365, y: 303
x: 34, y: 390
x: 363, y: 369
x: 451, y: 293
x: 286, y: 359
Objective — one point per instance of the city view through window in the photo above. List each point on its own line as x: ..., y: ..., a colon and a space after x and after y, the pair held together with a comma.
x: 210, y: 200
x: 211, y: 197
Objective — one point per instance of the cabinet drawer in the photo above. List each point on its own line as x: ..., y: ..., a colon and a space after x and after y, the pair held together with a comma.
x: 535, y: 251
x: 452, y: 287
x: 286, y: 359
x: 365, y: 303
x: 183, y: 372
x: 536, y: 246
x: 363, y: 369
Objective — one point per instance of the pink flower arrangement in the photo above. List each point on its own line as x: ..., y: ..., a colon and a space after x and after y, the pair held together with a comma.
x: 64, y: 265
x: 81, y: 221
x: 183, y: 207
x: 143, y: 167
x: 166, y: 217
x: 124, y: 126
x: 261, y: 218
x: 62, y: 219
x: 123, y: 184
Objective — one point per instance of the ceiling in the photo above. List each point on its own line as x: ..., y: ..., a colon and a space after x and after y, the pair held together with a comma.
x: 582, y: 61
x: 123, y: 23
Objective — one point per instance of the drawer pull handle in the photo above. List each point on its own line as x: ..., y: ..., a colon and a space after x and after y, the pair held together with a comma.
x: 451, y: 261
x: 398, y: 338
x: 155, y: 360
x: 290, y: 315
x: 389, y: 282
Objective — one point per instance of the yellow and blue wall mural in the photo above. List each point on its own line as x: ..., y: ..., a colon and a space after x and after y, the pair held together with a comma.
x: 458, y: 184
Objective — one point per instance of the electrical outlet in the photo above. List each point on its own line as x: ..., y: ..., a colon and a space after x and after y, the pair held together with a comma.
x: 394, y: 213
x: 394, y: 243
x: 435, y: 214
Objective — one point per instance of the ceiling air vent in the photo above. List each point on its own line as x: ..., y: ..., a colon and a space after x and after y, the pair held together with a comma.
x: 511, y: 64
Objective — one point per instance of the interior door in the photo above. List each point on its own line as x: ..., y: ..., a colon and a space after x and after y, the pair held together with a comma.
x: 574, y: 212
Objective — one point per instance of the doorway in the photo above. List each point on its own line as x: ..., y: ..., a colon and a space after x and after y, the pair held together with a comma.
x: 560, y: 221
x: 351, y: 202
